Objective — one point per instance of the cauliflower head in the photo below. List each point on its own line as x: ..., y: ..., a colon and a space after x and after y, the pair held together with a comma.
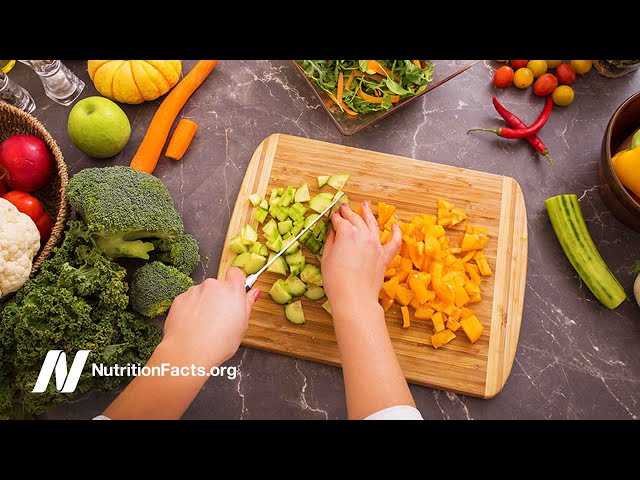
x: 19, y: 243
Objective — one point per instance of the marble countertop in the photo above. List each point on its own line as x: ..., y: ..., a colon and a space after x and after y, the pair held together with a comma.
x: 575, y: 358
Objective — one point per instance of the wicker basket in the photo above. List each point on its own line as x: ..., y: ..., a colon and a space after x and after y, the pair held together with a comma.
x: 14, y: 121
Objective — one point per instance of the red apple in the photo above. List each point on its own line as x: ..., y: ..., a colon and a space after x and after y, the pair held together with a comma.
x: 26, y: 163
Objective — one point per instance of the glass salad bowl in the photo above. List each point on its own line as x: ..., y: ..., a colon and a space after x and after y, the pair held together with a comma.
x: 443, y: 71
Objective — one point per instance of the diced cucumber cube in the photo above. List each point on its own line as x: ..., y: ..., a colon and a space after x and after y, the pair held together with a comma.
x: 279, y: 292
x: 260, y: 215
x: 275, y: 245
x: 311, y: 275
x: 319, y: 228
x: 279, y: 266
x: 319, y: 204
x: 280, y: 191
x: 270, y: 226
x: 237, y: 246
x: 309, y: 220
x: 274, y: 195
x: 272, y: 236
x: 297, y: 211
x: 294, y: 313
x: 322, y: 180
x: 255, y: 263
x: 255, y: 248
x: 326, y: 195
x: 294, y: 248
x: 295, y: 258
x: 286, y: 237
x: 338, y: 181
x: 296, y: 230
x: 255, y: 199
x: 314, y: 293
x: 313, y: 244
x: 283, y: 214
x: 264, y: 204
x: 249, y: 235
x: 241, y: 260
x: 296, y: 286
x: 264, y: 251
x: 284, y: 227
x: 327, y: 307
x: 305, y: 237
x: 302, y: 194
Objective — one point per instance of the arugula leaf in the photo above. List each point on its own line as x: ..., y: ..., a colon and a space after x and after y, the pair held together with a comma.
x: 362, y: 65
x: 395, y: 87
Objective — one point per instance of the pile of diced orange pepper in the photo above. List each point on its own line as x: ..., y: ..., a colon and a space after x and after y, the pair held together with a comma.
x: 432, y: 275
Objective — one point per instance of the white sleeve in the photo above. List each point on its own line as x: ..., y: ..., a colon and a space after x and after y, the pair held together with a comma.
x: 101, y: 417
x: 398, y: 412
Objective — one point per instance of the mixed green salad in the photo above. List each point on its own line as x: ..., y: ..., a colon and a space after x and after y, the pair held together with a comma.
x: 363, y: 86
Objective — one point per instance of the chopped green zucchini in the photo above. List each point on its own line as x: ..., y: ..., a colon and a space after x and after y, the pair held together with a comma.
x: 302, y: 194
x: 260, y: 215
x: 314, y: 293
x: 284, y: 227
x: 279, y: 266
x: 255, y: 199
x: 338, y: 181
x: 255, y: 263
x: 296, y: 286
x: 294, y: 313
x: 279, y: 292
x: 237, y: 246
x: 322, y: 180
x: 311, y: 275
x: 241, y: 260
x: 568, y: 223
x: 327, y: 307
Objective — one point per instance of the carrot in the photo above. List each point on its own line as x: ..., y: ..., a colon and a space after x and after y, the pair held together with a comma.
x: 417, y: 63
x: 381, y: 69
x: 372, y: 99
x: 339, y: 97
x: 181, y: 139
x: 146, y: 158
x: 352, y: 75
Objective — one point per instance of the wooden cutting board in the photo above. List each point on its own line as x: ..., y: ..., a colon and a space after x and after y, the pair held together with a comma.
x: 492, y: 201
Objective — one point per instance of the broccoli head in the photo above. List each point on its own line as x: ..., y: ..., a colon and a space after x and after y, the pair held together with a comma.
x: 122, y: 207
x: 182, y: 254
x: 155, y: 286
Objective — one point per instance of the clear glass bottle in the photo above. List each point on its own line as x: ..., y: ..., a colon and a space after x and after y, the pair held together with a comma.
x: 15, y: 95
x: 60, y: 84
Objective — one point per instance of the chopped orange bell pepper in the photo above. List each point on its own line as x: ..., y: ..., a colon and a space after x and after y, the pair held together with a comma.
x: 442, y: 338
x: 456, y: 314
x: 457, y: 215
x: 472, y: 328
x: 384, y: 213
x: 406, y: 319
x: 424, y: 313
x: 462, y: 297
x: 432, y: 247
x: 415, y: 304
x: 406, y: 265
x: 402, y: 276
x: 391, y: 287
x: 417, y: 285
x: 466, y: 312
x: 416, y: 252
x: 444, y: 291
x: 452, y: 324
x: 385, y: 236
x: 438, y: 321
x: 385, y: 300
x: 483, y: 264
x: 395, y: 262
x: 404, y: 295
x: 390, y: 272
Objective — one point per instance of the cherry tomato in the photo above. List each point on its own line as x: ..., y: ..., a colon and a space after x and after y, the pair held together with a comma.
x: 553, y: 63
x: 563, y: 95
x: 581, y: 66
x: 31, y: 207
x: 518, y: 63
x: 523, y: 78
x: 565, y: 73
x: 503, y: 76
x: 537, y: 67
x: 545, y: 85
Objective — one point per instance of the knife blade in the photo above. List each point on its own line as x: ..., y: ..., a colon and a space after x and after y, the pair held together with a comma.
x: 252, y: 279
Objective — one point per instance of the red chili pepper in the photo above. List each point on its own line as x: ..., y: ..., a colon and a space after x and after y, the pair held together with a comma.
x: 515, y: 122
x: 522, y: 132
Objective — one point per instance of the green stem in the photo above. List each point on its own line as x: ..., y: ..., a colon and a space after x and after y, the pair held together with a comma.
x: 497, y: 131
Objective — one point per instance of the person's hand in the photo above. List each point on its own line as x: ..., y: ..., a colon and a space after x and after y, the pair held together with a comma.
x: 354, y: 260
x: 206, y: 323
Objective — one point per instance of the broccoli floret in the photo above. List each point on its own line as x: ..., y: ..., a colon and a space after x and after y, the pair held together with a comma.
x: 155, y: 286
x: 123, y: 207
x: 182, y: 254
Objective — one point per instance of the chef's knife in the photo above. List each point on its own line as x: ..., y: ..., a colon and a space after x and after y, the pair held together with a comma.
x: 252, y: 279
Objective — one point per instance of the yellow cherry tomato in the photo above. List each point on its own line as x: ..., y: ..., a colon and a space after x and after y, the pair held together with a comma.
x: 523, y: 78
x: 563, y: 95
x: 537, y: 67
x: 581, y: 66
x: 553, y: 63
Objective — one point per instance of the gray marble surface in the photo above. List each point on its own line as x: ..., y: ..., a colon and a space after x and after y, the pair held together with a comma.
x: 575, y: 359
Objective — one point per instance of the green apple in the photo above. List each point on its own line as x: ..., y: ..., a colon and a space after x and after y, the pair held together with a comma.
x: 98, y: 127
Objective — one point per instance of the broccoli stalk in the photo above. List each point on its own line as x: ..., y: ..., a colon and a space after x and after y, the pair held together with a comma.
x: 122, y: 207
x: 155, y: 286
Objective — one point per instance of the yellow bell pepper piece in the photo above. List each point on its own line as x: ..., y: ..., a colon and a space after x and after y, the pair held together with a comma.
x: 627, y: 168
